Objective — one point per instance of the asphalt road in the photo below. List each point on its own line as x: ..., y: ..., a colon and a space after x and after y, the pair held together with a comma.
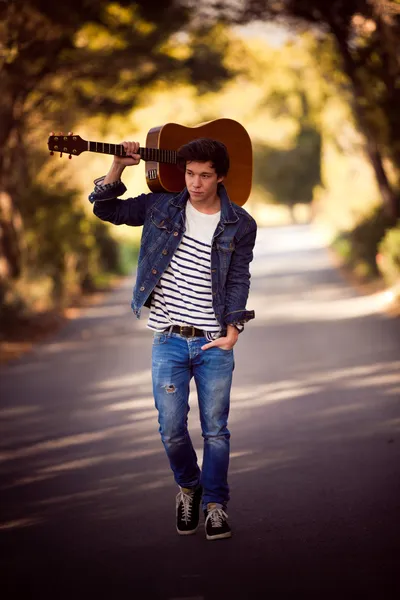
x: 86, y: 497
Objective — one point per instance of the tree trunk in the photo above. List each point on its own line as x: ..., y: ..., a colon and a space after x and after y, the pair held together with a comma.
x: 10, y: 232
x: 389, y: 197
x: 292, y: 214
x: 11, y: 238
x: 13, y: 173
x: 384, y: 16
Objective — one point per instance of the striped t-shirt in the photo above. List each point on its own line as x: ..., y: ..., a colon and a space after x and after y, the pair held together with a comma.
x: 183, y: 295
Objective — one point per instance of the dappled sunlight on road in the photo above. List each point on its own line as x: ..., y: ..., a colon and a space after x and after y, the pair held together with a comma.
x: 261, y: 395
x: 61, y: 443
x: 131, y: 379
x: 260, y: 462
x: 18, y: 411
x: 293, y: 281
x: 312, y: 306
x: 314, y: 419
x: 18, y: 523
x: 88, y: 462
x: 132, y: 404
x: 378, y: 380
x: 358, y: 371
x: 133, y: 437
x: 105, y: 491
x: 288, y: 240
x: 327, y: 396
x: 352, y: 377
x: 280, y: 263
x: 395, y: 392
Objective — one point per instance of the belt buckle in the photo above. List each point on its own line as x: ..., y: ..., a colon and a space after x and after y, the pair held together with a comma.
x: 182, y: 327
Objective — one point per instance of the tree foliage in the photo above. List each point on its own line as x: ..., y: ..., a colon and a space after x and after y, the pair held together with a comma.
x: 291, y: 174
x: 366, y: 34
x: 60, y: 62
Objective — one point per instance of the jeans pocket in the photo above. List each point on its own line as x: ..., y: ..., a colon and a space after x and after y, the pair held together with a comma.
x: 159, y: 338
x: 224, y: 349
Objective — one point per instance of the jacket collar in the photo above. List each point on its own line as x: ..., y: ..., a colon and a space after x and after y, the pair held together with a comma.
x: 228, y: 213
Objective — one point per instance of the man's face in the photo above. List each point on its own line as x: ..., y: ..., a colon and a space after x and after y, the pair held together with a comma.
x: 201, y: 181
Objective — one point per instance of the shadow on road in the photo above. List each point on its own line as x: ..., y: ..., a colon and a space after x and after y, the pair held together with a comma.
x: 86, y: 497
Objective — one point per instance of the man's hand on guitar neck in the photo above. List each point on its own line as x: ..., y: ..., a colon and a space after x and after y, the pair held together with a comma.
x: 120, y: 162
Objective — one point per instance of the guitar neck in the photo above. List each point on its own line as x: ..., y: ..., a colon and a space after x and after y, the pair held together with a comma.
x: 147, y: 154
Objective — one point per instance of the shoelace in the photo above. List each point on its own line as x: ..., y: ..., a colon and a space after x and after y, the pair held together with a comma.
x: 186, y: 500
x: 217, y: 517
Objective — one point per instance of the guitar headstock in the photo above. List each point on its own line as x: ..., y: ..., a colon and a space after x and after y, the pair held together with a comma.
x: 67, y: 144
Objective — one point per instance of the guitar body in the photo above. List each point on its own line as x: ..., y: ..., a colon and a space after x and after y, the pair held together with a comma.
x: 164, y: 177
x: 160, y: 154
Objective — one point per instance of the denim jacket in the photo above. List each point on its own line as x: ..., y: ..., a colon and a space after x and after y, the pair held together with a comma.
x: 163, y: 218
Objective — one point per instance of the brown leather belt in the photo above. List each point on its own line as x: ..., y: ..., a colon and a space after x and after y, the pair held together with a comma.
x: 187, y: 331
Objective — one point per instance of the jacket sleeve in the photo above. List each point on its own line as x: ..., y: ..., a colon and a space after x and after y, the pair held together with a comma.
x: 108, y: 207
x: 238, y: 280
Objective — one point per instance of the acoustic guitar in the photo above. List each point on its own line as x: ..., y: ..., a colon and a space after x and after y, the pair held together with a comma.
x: 160, y: 154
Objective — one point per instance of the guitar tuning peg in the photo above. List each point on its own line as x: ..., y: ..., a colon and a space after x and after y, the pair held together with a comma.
x: 51, y: 153
x: 60, y: 154
x: 70, y: 156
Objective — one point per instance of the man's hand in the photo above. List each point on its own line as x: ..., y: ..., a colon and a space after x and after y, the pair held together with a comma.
x: 120, y: 162
x: 225, y: 343
x: 132, y: 157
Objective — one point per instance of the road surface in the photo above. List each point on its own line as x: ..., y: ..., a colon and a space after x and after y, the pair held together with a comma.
x: 86, y: 497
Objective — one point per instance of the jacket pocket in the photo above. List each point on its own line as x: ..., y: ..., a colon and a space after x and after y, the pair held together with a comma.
x: 225, y: 245
x: 161, y: 221
x: 225, y: 249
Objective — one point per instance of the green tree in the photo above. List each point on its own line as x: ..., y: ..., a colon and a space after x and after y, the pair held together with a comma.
x: 60, y: 62
x: 291, y: 174
x: 366, y: 34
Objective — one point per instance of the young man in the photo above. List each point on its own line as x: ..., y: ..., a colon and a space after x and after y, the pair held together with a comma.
x: 193, y: 274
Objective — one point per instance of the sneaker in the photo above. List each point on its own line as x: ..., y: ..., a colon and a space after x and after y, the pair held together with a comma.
x: 188, y: 510
x: 216, y: 522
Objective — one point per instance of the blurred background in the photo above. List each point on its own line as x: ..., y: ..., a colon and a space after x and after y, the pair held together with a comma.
x: 315, y: 84
x: 86, y: 497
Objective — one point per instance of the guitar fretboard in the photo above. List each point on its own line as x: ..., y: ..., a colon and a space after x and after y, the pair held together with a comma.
x: 147, y: 154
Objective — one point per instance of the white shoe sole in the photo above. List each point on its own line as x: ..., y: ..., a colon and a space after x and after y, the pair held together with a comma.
x: 190, y: 532
x: 220, y: 536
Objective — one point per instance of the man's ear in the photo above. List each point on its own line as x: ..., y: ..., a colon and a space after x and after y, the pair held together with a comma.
x: 220, y: 179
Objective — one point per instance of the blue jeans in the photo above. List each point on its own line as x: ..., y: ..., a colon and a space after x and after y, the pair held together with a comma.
x: 175, y: 361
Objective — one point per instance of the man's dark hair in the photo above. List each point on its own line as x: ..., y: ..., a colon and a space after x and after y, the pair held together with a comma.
x: 204, y: 150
